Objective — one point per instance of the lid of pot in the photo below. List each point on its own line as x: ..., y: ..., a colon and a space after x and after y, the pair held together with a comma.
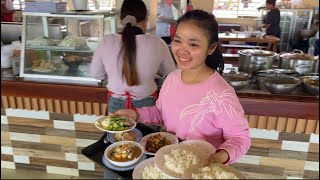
x: 297, y: 55
x: 234, y: 75
x: 256, y: 52
x: 274, y: 75
x: 277, y: 71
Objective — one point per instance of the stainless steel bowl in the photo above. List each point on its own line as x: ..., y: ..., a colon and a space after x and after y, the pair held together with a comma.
x: 285, y: 85
x: 310, y: 84
x: 238, y: 80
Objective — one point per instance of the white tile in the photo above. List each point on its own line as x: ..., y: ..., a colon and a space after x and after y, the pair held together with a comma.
x: 6, y: 150
x: 71, y: 157
x: 292, y: 177
x: 264, y: 134
x: 62, y: 170
x: 311, y: 166
x: 85, y: 118
x: 84, y: 142
x: 25, y: 137
x: 314, y: 138
x: 43, y: 115
x: 4, y: 119
x: 8, y: 165
x: 250, y: 159
x: 68, y: 125
x: 86, y: 166
x: 21, y: 159
x: 295, y: 146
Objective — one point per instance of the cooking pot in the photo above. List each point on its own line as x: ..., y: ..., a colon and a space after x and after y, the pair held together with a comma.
x: 253, y: 60
x: 297, y: 61
x: 280, y: 85
x: 310, y: 84
x: 238, y: 80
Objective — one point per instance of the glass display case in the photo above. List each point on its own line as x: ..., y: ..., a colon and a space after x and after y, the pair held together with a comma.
x: 65, y: 52
x: 291, y: 22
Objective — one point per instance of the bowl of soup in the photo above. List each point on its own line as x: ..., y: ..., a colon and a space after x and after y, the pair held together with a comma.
x: 124, y: 153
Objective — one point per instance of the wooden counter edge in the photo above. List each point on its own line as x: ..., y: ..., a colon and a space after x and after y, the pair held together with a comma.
x: 253, y: 104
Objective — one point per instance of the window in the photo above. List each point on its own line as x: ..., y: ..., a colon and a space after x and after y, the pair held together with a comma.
x: 18, y: 4
x: 103, y: 4
x: 237, y: 8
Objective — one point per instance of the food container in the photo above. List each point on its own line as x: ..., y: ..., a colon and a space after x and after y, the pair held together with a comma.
x: 253, y: 60
x: 124, y: 163
x: 238, y: 80
x: 310, y: 84
x: 16, y: 65
x: 276, y: 71
x: 278, y: 85
x: 301, y: 63
x: 6, y: 55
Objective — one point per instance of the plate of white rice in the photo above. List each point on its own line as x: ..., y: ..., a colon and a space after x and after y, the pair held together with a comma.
x: 202, y: 145
x: 174, y: 160
x: 214, y: 171
x: 148, y: 170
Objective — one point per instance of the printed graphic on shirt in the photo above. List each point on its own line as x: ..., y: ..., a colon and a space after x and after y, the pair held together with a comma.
x: 211, y: 103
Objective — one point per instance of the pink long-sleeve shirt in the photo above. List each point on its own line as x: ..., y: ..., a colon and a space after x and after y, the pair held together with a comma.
x: 209, y: 110
x: 153, y: 56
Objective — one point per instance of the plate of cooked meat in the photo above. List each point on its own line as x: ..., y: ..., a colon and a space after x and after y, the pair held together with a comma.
x: 151, y: 143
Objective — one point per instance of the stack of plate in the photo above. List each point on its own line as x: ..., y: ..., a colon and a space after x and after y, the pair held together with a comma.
x: 155, y: 168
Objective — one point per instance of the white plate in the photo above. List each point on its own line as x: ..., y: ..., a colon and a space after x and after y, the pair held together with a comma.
x: 43, y: 70
x: 137, y: 132
x: 98, y: 124
x: 172, y: 138
x: 137, y: 172
x: 109, y: 165
x: 188, y: 174
x: 160, y: 162
x: 205, y: 146
x: 51, y: 47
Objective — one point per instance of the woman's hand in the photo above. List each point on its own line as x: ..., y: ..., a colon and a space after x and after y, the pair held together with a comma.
x: 126, y: 112
x: 219, y: 157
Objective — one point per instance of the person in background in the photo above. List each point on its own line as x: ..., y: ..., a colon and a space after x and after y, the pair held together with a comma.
x: 7, y: 11
x: 189, y: 5
x: 164, y: 16
x: 195, y: 102
x: 130, y: 60
x: 272, y: 19
x: 173, y: 25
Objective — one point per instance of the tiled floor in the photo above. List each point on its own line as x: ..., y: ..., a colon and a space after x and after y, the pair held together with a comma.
x: 34, y: 174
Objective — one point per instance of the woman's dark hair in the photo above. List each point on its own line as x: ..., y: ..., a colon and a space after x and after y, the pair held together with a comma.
x: 208, y: 23
x: 273, y: 2
x: 138, y: 9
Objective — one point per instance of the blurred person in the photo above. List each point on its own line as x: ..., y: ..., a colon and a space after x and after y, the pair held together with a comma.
x: 164, y: 16
x: 272, y: 19
x: 189, y: 5
x: 129, y: 61
x: 7, y: 11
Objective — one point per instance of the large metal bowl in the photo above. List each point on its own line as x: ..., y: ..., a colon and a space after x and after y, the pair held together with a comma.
x: 310, y: 84
x: 284, y: 85
x: 238, y: 80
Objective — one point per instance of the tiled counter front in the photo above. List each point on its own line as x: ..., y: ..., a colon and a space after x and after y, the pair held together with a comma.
x: 51, y: 137
x: 50, y: 142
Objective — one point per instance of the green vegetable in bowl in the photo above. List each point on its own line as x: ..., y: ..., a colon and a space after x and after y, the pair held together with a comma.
x: 115, y: 123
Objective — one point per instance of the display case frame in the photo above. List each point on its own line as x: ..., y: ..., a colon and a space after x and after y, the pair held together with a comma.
x: 102, y: 17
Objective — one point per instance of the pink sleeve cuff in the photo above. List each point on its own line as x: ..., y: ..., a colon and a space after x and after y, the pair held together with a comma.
x: 228, y: 156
